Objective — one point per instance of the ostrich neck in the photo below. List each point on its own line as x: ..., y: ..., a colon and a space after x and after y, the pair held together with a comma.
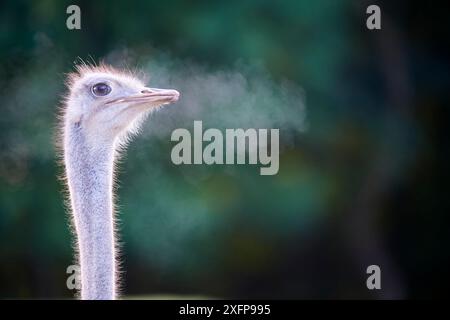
x: 89, y: 172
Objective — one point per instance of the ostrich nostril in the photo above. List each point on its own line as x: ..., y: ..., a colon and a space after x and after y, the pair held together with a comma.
x: 146, y: 91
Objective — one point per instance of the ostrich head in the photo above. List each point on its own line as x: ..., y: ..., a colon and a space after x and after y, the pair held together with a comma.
x: 108, y: 103
x: 103, y: 107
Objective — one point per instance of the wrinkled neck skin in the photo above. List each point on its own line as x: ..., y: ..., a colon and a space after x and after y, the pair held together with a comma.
x: 89, y: 170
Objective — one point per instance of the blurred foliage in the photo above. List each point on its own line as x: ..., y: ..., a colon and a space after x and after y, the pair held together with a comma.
x: 362, y: 146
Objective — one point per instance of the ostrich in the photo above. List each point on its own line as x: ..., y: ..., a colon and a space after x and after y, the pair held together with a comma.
x: 103, y: 109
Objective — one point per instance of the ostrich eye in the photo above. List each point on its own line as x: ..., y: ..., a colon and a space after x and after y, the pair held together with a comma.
x: 101, y: 89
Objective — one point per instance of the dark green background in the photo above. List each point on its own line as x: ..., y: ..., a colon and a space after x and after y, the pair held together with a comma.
x: 363, y: 168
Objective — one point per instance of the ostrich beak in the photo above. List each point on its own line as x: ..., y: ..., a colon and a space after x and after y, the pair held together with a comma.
x: 157, y: 95
x: 151, y: 96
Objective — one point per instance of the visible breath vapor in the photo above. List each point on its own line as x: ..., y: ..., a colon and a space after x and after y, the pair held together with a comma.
x: 243, y: 96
